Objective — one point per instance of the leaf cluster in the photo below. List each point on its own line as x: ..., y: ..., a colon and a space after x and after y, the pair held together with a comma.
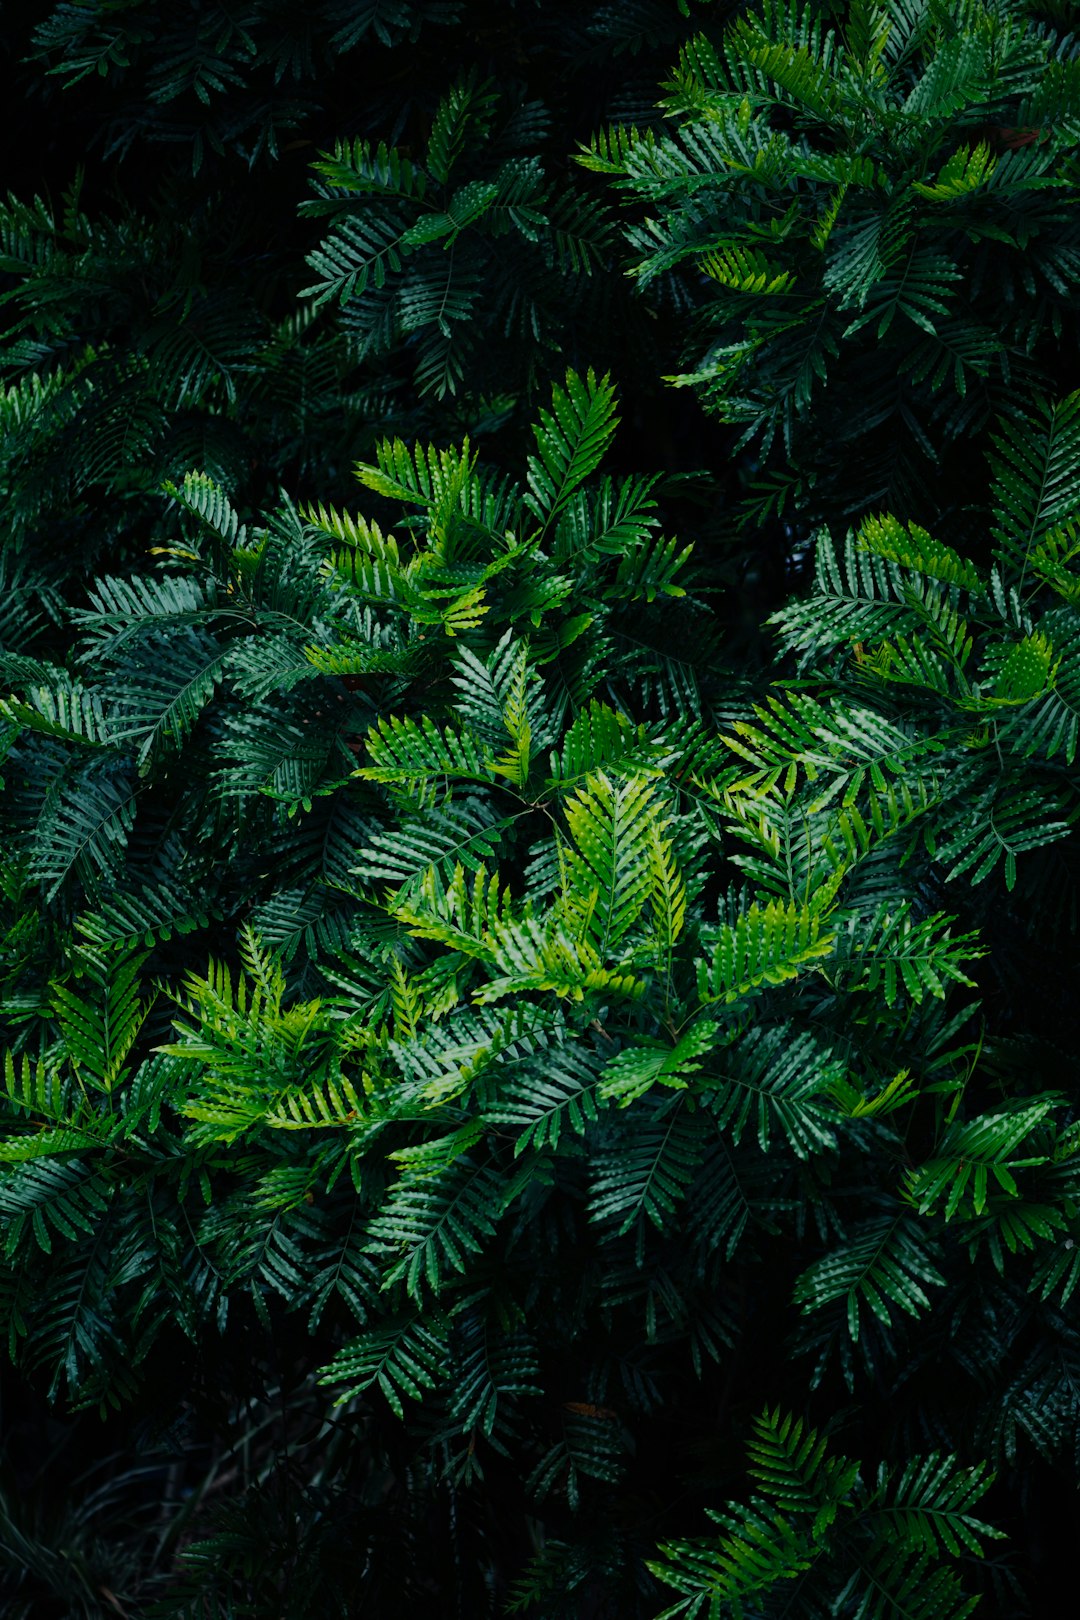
x: 869, y: 209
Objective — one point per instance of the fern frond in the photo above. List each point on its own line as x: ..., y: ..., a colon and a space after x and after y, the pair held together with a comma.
x: 791, y: 1462
x: 918, y: 957
x: 405, y: 1359
x: 887, y: 1264
x: 774, y: 1079
x: 767, y: 945
x: 646, y: 1171
x: 608, y: 872
x: 1036, y: 487
x: 431, y: 1223
x: 571, y: 441
x: 977, y: 1158
x: 85, y: 828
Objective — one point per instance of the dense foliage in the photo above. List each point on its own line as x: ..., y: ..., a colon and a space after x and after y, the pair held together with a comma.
x: 881, y: 202
x: 525, y: 1090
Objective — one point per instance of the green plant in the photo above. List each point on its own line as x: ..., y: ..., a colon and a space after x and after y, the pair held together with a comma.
x: 868, y: 1546
x: 475, y: 1032
x: 870, y: 207
x: 515, y: 1106
x: 158, y: 312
